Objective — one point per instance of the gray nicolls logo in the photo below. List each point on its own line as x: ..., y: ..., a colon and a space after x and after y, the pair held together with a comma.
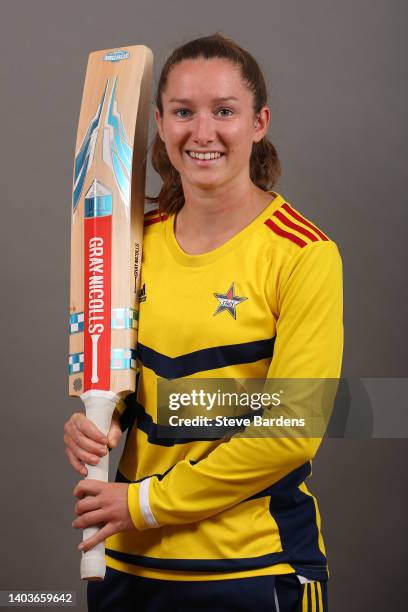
x: 228, y: 301
x: 116, y: 55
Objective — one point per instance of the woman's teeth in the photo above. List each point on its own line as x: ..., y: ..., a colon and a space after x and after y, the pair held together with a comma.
x: 195, y: 155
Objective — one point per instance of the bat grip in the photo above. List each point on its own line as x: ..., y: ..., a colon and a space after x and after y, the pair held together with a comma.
x: 99, y: 407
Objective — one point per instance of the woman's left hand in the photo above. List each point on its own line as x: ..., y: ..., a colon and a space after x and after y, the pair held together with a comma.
x: 104, y: 504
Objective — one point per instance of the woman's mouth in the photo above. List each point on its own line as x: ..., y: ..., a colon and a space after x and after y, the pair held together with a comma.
x: 205, y: 155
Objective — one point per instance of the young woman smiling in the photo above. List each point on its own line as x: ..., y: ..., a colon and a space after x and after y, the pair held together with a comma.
x: 237, y: 284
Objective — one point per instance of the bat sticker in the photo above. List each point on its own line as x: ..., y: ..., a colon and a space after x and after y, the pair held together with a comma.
x: 116, y: 56
x: 97, y: 274
x: 84, y: 157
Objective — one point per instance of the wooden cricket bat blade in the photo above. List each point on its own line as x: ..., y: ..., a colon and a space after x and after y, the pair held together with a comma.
x: 106, y: 242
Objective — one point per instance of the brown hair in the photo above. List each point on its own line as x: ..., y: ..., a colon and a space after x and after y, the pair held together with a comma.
x: 264, y: 161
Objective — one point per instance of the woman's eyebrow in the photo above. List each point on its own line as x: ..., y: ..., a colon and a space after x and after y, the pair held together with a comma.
x: 187, y: 100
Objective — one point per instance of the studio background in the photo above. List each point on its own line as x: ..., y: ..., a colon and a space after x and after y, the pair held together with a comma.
x: 336, y: 75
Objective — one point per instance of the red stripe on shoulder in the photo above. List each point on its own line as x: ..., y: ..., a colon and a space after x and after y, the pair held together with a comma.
x: 281, y: 232
x: 155, y: 220
x: 295, y: 226
x: 301, y: 219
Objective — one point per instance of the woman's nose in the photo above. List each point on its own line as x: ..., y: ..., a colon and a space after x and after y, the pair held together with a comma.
x: 203, y: 130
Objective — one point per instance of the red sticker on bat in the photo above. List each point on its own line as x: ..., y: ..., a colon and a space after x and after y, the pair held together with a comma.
x: 97, y: 298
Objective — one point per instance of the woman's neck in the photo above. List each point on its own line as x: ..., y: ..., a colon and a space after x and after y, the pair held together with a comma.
x: 207, y: 219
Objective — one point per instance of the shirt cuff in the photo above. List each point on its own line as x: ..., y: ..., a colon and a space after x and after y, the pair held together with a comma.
x: 139, y: 506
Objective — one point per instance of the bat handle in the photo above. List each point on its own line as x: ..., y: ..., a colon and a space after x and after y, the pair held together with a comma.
x: 99, y: 407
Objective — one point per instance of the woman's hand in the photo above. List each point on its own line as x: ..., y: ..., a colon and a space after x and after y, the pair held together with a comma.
x: 85, y: 443
x: 101, y: 503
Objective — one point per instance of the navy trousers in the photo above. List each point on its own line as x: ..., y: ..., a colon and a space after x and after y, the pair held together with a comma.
x: 121, y: 592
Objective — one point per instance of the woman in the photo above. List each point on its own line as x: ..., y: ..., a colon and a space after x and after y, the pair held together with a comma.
x: 236, y: 284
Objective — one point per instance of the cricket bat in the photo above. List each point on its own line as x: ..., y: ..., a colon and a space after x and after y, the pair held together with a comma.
x: 106, y: 243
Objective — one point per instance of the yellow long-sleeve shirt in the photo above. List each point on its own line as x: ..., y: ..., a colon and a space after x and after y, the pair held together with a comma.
x: 238, y: 507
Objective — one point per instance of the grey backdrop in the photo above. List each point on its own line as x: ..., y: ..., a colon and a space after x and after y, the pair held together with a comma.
x: 337, y: 81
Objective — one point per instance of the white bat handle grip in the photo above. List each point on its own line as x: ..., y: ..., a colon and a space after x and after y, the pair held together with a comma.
x: 99, y: 407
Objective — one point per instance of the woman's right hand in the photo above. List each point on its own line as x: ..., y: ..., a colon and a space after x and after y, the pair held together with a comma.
x: 85, y: 443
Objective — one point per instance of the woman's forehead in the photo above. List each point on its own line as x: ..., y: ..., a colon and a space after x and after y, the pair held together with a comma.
x: 218, y: 78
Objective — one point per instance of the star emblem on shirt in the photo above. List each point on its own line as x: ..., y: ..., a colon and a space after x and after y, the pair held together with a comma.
x: 228, y: 301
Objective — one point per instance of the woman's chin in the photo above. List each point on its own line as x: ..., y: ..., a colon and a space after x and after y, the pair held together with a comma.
x: 207, y: 182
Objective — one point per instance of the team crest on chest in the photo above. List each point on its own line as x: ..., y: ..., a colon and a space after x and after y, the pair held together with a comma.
x: 228, y: 301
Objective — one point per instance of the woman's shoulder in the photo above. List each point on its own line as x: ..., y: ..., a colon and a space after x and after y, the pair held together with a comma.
x: 288, y: 228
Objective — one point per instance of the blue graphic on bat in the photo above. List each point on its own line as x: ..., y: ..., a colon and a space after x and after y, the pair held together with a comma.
x: 121, y: 318
x: 116, y: 151
x: 121, y: 359
x: 84, y: 158
x: 76, y: 322
x: 98, y: 201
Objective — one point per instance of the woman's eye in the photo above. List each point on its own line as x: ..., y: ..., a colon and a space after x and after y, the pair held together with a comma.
x: 224, y: 112
x: 182, y: 113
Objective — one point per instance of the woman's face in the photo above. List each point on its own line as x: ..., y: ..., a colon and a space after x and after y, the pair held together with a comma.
x: 208, y: 123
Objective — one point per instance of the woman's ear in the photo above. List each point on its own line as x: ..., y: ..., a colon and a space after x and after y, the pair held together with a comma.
x: 159, y: 122
x: 261, y: 123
